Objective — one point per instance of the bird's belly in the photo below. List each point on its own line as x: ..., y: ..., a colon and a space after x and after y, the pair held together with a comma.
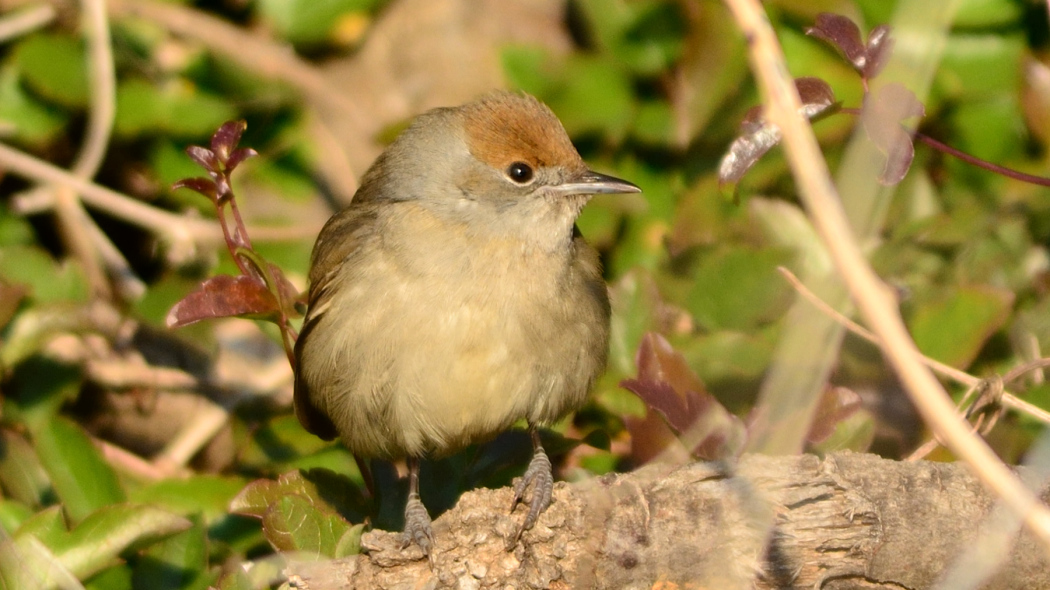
x: 475, y: 370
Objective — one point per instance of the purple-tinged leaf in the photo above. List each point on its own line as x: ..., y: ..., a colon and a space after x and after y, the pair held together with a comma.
x: 238, y: 156
x: 224, y: 296
x: 878, y: 51
x: 837, y: 404
x: 668, y: 386
x: 816, y: 96
x: 226, y: 139
x: 842, y: 34
x: 884, y: 111
x: 756, y: 139
x: 204, y: 158
x: 758, y: 136
x: 204, y: 186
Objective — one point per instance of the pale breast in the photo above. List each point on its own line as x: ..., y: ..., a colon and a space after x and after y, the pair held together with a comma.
x: 455, y: 344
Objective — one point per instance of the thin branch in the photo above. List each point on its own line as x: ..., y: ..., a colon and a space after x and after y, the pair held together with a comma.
x: 103, y: 89
x: 121, y: 206
x: 206, y: 423
x: 947, y: 370
x: 871, y: 295
x: 263, y: 56
x: 26, y: 20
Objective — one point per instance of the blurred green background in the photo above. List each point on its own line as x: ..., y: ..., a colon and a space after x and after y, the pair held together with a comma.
x: 649, y: 90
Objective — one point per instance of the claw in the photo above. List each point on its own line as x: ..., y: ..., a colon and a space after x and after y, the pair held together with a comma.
x: 417, y: 519
x: 417, y: 525
x: 541, y: 479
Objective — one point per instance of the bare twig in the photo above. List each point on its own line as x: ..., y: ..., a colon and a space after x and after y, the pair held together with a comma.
x: 121, y: 206
x: 871, y: 295
x: 129, y: 462
x: 208, y: 420
x: 26, y: 20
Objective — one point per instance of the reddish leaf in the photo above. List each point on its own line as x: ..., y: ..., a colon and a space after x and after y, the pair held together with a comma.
x: 884, y: 110
x: 816, y: 96
x: 757, y: 136
x: 223, y: 296
x: 204, y: 158
x: 837, y: 404
x: 653, y: 440
x: 226, y: 139
x: 204, y: 186
x: 668, y: 386
x: 238, y: 156
x: 879, y: 48
x: 10, y: 297
x: 842, y: 34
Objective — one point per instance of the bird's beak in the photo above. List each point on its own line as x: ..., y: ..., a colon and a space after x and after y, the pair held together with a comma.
x: 593, y: 183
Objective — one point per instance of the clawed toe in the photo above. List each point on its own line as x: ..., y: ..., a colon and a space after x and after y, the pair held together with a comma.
x: 539, y: 477
x: 417, y: 525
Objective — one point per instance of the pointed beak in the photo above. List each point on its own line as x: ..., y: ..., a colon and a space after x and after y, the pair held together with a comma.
x: 593, y: 183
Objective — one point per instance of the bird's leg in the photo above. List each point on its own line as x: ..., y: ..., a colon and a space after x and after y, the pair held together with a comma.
x: 539, y: 475
x: 417, y: 520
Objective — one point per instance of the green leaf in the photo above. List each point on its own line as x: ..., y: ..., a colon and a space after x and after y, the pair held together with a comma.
x: 173, y: 109
x: 528, y: 68
x: 28, y: 563
x: 208, y: 495
x: 54, y: 65
x: 974, y: 14
x: 599, y: 98
x: 83, y: 481
x: 311, y: 21
x: 979, y: 66
x: 179, y: 562
x: 29, y: 121
x: 21, y: 474
x: 12, y: 515
x: 295, y: 523
x: 49, y: 280
x: 40, y: 386
x: 953, y: 326
x: 331, y: 491
x: 739, y: 288
x: 48, y: 526
x: 107, y: 533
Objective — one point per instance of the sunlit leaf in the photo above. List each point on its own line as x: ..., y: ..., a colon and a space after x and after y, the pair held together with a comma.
x: 844, y: 35
x: 54, y: 65
x: 224, y: 296
x: 107, y: 533
x: 21, y: 473
x: 953, y: 326
x: 82, y: 479
x: 758, y: 136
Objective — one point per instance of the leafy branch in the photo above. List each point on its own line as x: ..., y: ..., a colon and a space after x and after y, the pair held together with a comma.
x: 261, y: 291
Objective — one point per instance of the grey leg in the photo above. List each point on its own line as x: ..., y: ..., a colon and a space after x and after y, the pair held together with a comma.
x: 540, y: 477
x: 417, y: 520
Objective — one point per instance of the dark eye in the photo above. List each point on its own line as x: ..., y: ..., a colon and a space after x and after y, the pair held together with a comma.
x: 520, y: 172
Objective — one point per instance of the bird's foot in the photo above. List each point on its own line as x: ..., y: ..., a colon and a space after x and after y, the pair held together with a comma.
x: 417, y: 525
x: 542, y: 480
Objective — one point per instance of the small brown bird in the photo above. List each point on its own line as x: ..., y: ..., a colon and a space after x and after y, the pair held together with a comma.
x: 455, y: 296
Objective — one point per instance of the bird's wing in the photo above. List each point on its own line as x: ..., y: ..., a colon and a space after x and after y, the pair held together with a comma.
x: 340, y: 239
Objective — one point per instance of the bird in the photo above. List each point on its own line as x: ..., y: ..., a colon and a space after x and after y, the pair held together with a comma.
x: 455, y: 296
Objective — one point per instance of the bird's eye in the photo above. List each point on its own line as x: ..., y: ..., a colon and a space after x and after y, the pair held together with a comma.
x: 520, y: 172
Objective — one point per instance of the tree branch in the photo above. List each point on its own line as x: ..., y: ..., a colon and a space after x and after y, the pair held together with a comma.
x: 847, y: 521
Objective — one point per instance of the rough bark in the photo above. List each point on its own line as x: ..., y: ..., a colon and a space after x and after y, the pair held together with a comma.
x: 846, y: 521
